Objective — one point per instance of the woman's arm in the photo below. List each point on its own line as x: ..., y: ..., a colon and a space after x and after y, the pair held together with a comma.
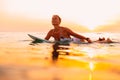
x: 77, y: 35
x: 48, y: 35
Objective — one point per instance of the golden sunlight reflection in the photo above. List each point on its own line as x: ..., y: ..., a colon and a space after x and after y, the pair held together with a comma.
x: 91, y: 67
x: 91, y: 64
x: 90, y: 76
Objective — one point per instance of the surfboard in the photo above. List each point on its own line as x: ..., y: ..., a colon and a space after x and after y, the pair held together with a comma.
x: 38, y: 40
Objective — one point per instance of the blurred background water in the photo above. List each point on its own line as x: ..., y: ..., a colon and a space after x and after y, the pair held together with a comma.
x: 21, y: 61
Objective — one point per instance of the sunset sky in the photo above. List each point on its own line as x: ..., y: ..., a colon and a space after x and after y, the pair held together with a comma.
x: 35, y: 15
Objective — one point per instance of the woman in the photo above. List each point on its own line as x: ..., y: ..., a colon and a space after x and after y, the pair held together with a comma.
x: 60, y: 32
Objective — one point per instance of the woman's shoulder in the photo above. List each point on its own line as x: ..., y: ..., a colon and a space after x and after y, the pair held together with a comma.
x: 64, y: 28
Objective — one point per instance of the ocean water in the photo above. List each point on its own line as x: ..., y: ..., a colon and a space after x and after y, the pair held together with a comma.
x: 19, y: 60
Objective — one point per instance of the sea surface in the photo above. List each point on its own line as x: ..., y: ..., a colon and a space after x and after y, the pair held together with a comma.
x: 22, y: 60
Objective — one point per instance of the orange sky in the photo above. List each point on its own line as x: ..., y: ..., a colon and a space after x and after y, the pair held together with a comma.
x: 79, y: 15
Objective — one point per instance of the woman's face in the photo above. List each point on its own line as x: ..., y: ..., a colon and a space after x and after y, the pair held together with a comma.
x: 55, y: 20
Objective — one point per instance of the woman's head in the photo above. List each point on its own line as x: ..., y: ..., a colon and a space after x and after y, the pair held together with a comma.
x: 56, y: 20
